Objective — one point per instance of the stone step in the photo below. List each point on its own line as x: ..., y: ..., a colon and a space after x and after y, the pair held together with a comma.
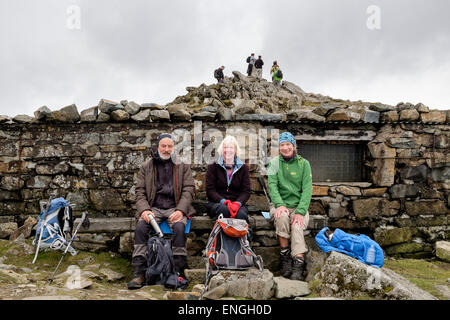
x: 127, y: 224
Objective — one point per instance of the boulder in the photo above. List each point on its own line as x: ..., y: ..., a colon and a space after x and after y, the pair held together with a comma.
x: 151, y: 106
x: 23, y: 118
x: 7, y: 228
x: 108, y: 106
x: 345, y: 277
x: 409, y: 115
x: 390, y: 116
x: 379, y: 107
x: 4, y: 119
x: 103, y: 117
x: 293, y: 88
x: 42, y: 113
x: 204, y: 115
x: 243, y: 106
x: 142, y: 116
x: 120, y: 115
x: 66, y: 114
x: 370, y: 116
x: 285, y: 288
x: 132, y: 108
x: 178, y: 112
x: 89, y: 115
x: 250, y: 284
x: 160, y: 115
x: 225, y: 114
x: 298, y: 114
x: 25, y: 229
x: 344, y: 115
x: 434, y: 116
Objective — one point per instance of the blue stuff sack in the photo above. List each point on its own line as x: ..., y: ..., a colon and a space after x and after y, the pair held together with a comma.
x: 360, y: 246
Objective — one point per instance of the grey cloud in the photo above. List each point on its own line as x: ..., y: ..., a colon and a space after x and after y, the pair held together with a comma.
x: 149, y: 51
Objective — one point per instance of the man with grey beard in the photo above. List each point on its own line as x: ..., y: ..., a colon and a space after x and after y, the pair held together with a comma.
x: 165, y: 190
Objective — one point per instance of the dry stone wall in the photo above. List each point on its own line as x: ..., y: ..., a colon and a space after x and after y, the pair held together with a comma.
x: 92, y: 159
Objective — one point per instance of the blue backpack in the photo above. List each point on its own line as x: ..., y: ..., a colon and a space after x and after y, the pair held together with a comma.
x: 360, y: 246
x: 57, y: 227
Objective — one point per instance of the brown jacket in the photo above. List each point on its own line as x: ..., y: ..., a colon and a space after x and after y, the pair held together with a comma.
x: 146, y: 188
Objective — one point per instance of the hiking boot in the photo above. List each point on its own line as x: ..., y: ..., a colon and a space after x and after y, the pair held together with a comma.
x: 179, y: 262
x: 136, y: 283
x: 286, y: 263
x: 298, y: 269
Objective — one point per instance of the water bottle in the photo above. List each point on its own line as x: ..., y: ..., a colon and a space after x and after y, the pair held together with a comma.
x: 155, y: 225
x: 370, y: 258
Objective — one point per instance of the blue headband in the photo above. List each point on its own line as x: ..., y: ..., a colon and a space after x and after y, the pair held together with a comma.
x: 287, y: 137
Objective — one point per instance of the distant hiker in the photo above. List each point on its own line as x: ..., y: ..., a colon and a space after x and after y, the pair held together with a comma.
x: 228, y: 183
x: 251, y: 61
x: 257, y: 70
x: 218, y: 74
x: 164, y: 189
x: 290, y: 189
x: 276, y: 73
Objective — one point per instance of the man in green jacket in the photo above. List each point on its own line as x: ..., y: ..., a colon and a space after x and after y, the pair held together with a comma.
x: 290, y: 189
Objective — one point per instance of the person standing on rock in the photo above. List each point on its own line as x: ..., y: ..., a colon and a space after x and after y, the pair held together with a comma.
x: 165, y: 190
x: 218, y: 74
x: 290, y: 189
x: 276, y: 80
x: 251, y: 61
x: 257, y: 70
x: 228, y: 183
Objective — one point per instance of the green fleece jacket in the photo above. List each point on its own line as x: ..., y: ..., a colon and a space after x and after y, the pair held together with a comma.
x: 290, y: 183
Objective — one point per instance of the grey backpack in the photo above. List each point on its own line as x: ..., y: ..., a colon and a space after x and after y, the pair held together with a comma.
x: 228, y: 248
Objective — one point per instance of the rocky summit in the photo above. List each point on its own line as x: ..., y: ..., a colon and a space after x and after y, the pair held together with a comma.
x: 241, y: 98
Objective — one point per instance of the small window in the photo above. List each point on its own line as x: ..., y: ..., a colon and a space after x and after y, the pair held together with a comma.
x: 333, y: 162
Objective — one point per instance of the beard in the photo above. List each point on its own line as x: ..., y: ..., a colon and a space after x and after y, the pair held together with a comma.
x: 165, y: 156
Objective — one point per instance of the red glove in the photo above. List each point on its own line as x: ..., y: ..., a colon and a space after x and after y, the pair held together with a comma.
x: 234, y: 208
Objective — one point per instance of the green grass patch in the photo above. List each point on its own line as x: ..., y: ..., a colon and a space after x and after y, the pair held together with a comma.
x: 424, y: 274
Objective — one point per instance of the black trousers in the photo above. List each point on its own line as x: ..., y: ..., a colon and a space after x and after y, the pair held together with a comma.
x: 141, y: 236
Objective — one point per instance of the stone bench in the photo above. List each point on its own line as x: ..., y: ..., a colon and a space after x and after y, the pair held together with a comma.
x: 128, y: 224
x: 117, y: 234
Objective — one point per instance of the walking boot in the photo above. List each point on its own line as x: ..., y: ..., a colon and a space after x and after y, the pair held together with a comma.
x: 180, y: 264
x: 286, y: 263
x: 139, y: 265
x: 298, y: 269
x: 137, y: 283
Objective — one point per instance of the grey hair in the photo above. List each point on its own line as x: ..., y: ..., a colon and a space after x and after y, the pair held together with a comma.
x: 227, y: 140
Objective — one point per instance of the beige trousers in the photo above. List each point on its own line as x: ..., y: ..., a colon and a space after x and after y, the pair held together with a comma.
x: 284, y: 229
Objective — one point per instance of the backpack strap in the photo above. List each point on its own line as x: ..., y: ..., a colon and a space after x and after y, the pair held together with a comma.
x: 257, y: 260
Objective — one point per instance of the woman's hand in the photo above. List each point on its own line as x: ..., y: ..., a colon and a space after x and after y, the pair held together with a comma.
x: 280, y: 211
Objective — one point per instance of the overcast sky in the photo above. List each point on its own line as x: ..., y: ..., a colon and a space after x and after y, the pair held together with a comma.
x: 58, y: 52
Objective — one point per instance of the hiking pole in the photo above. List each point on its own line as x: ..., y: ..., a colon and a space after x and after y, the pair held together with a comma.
x: 263, y: 185
x: 42, y: 226
x: 83, y: 217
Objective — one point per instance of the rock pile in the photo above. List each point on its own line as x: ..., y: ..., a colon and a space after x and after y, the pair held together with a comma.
x: 242, y: 98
